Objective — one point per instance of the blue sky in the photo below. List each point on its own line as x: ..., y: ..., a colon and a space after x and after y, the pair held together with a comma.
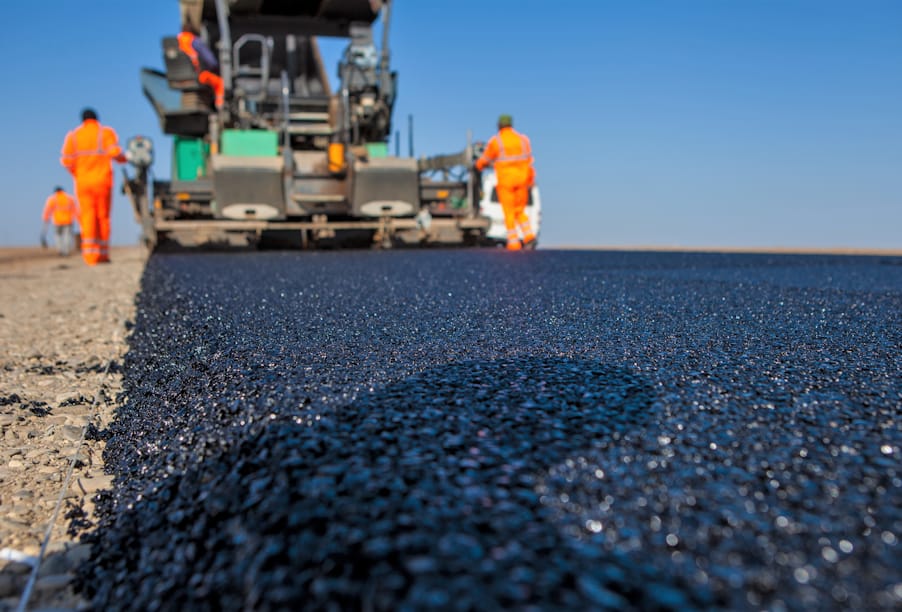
x: 674, y: 123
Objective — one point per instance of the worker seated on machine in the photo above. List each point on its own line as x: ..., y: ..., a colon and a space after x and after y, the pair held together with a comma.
x: 203, y: 59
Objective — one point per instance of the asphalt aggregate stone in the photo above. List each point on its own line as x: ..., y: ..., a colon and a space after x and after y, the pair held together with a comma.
x: 475, y: 429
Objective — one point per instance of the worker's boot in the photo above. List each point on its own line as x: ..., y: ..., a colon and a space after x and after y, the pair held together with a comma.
x: 513, y: 239
x: 529, y: 239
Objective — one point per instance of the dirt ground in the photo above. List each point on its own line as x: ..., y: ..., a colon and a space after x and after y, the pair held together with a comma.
x: 63, y: 329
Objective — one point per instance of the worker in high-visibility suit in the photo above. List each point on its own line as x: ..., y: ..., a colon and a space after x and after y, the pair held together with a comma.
x: 62, y: 210
x: 88, y: 153
x: 204, y: 60
x: 511, y: 154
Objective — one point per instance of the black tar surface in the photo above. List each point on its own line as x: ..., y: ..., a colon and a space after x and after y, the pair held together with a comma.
x: 485, y: 430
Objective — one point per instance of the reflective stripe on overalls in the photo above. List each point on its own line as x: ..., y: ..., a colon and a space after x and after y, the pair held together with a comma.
x: 90, y: 246
x: 98, y: 151
x: 525, y: 148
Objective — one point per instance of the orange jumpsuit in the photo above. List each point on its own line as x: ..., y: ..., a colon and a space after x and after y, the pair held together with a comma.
x: 511, y: 154
x: 87, y: 154
x: 204, y: 77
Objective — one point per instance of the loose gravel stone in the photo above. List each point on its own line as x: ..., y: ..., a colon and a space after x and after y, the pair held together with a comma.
x: 53, y: 582
x: 9, y: 585
x: 72, y: 433
x: 472, y: 429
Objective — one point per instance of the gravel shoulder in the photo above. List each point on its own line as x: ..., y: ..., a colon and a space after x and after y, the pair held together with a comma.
x: 63, y: 328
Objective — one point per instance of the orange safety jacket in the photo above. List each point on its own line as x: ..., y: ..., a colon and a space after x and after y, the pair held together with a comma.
x: 62, y: 207
x: 88, y: 152
x: 511, y: 153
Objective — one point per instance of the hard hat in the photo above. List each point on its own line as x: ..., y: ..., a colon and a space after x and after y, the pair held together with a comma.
x: 505, y: 121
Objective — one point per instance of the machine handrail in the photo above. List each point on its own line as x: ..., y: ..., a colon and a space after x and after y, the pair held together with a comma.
x: 264, y: 69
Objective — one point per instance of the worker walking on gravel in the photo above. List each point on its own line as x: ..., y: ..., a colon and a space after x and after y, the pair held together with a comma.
x: 511, y: 154
x: 62, y: 210
x: 88, y: 153
x: 204, y: 60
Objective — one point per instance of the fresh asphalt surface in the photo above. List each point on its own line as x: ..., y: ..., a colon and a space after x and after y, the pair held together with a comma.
x: 477, y: 429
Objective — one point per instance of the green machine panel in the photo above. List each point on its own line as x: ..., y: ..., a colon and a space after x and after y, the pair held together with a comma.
x: 377, y: 149
x: 250, y: 143
x: 189, y: 158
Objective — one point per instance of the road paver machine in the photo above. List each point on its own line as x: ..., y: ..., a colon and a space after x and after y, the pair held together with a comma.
x: 286, y: 156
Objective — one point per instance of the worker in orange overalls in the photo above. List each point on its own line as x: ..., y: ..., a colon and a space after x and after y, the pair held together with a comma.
x: 62, y: 210
x: 88, y: 153
x: 511, y: 154
x: 204, y: 61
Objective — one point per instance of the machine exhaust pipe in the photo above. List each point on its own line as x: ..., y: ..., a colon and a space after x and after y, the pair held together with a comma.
x: 225, y: 44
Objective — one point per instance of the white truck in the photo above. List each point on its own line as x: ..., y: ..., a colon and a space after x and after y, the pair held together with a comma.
x: 491, y: 208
